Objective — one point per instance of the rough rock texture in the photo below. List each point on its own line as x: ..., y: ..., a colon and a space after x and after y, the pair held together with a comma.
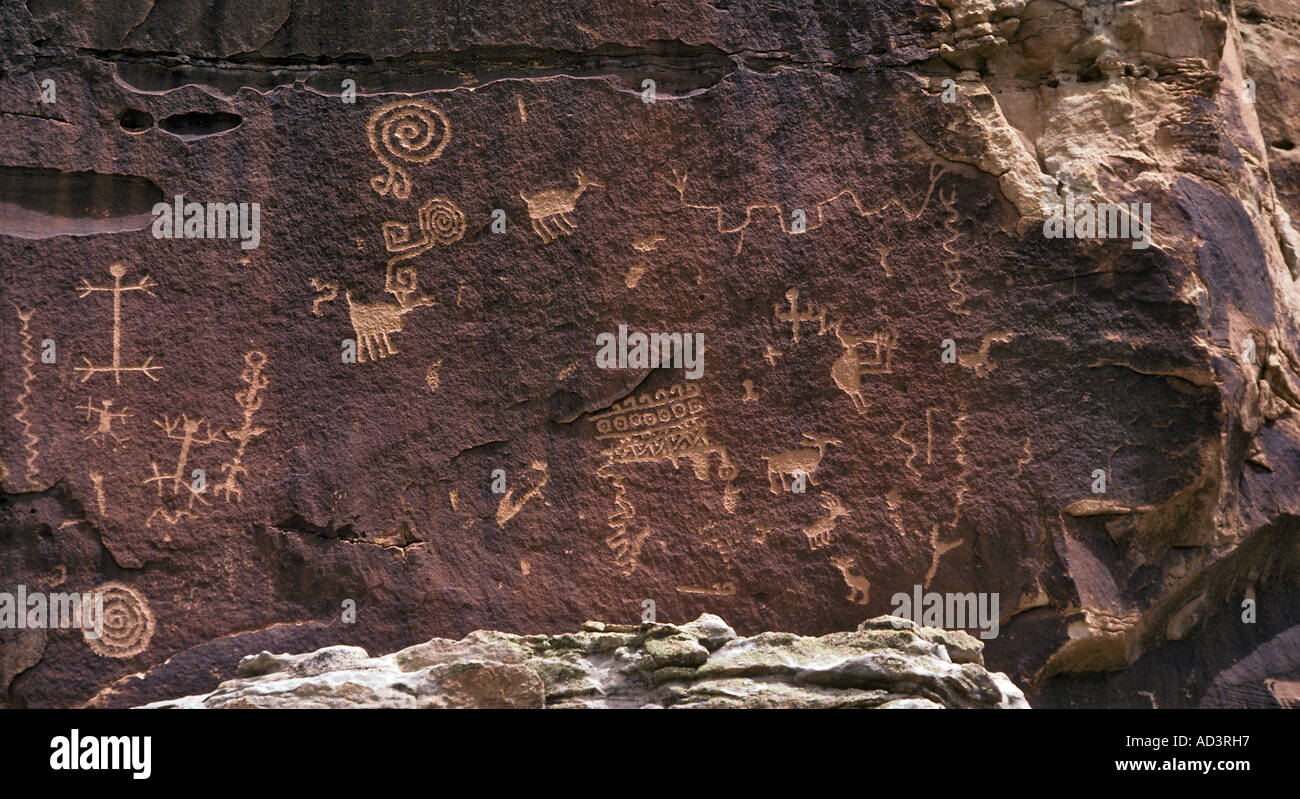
x: 800, y: 193
x: 887, y: 663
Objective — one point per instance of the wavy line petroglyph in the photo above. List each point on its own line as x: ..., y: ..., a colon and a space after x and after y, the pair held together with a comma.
x: 679, y: 181
x: 328, y: 290
x: 954, y: 275
x: 117, y: 270
x: 30, y: 439
x: 408, y: 130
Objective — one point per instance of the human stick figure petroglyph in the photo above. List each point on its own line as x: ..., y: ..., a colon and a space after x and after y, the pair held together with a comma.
x: 409, y: 130
x: 796, y: 461
x: 679, y: 180
x: 550, y: 208
x: 117, y: 270
x: 104, y: 429
x: 189, y: 438
x: 250, y: 400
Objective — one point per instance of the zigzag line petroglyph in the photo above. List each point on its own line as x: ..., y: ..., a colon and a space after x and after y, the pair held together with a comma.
x: 250, y: 400
x: 679, y: 183
x: 30, y: 439
x: 1022, y: 462
x: 954, y: 275
x: 626, y: 545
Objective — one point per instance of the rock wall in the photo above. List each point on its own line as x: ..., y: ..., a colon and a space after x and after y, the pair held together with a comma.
x: 389, y: 421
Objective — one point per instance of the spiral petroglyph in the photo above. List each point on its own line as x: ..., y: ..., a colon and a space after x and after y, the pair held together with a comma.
x: 128, y: 623
x: 409, y: 130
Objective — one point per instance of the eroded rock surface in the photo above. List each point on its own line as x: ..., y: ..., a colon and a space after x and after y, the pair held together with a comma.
x: 887, y: 663
x: 834, y: 198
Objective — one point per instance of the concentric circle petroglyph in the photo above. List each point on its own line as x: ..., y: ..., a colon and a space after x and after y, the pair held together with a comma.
x: 127, y: 624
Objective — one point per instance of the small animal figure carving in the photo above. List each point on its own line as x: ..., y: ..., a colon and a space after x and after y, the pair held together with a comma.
x: 550, y: 208
x: 797, y: 460
x: 848, y: 369
x: 858, y: 585
x: 375, y: 321
x: 819, y: 532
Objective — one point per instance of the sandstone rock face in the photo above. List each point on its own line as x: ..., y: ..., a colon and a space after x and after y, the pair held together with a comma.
x: 888, y: 663
x: 387, y: 421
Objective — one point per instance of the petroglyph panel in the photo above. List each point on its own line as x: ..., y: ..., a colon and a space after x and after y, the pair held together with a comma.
x: 345, y: 387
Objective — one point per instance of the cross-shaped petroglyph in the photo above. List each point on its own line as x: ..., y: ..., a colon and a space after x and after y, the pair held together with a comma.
x: 795, y: 317
x: 104, y: 428
x: 117, y: 270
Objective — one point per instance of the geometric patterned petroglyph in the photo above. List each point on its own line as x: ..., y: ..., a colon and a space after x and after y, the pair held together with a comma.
x: 667, y: 426
x: 794, y: 317
x: 550, y: 208
x: 670, y: 425
x: 250, y: 400
x: 954, y: 274
x: 679, y: 183
x: 117, y: 270
x: 408, y: 130
x: 440, y: 222
x: 128, y: 624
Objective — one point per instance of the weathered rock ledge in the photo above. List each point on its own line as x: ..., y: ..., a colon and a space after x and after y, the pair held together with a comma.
x: 887, y: 662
